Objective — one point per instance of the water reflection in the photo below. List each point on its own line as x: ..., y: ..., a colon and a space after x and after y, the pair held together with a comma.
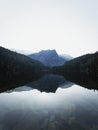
x: 73, y: 108
x: 48, y: 83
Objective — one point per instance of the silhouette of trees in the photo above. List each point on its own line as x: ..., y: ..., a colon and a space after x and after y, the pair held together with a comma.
x: 82, y: 70
x: 17, y: 69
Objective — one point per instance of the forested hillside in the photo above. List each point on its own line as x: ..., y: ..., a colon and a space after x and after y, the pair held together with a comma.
x: 17, y: 69
x: 83, y: 69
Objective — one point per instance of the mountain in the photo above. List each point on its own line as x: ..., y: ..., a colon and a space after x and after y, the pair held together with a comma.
x: 25, y: 52
x: 67, y: 57
x: 17, y: 69
x: 49, y: 58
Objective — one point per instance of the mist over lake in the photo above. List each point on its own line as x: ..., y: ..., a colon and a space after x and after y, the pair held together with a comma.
x: 48, y: 64
x: 74, y: 108
x: 46, y: 91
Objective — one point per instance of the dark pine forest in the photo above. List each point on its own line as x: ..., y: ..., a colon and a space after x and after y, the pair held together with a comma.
x: 17, y: 70
x: 82, y: 70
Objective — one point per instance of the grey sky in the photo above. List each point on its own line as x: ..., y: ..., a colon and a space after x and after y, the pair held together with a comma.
x: 69, y: 26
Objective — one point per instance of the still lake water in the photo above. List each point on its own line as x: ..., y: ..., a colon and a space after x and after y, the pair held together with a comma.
x: 72, y: 108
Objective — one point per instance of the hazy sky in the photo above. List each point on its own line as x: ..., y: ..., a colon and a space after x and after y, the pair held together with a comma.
x: 69, y: 26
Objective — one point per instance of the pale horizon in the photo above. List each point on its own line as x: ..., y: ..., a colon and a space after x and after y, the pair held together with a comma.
x: 69, y: 27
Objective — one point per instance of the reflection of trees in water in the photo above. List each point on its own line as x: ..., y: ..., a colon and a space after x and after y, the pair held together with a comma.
x: 49, y: 83
x: 17, y: 69
x: 82, y: 70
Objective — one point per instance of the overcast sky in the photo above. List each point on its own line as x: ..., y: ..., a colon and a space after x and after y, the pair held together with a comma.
x: 69, y: 26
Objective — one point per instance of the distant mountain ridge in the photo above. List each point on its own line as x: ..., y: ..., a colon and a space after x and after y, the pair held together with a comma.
x: 67, y: 57
x: 49, y: 58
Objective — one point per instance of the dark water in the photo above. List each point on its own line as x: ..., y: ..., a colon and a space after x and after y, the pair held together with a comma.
x: 71, y: 108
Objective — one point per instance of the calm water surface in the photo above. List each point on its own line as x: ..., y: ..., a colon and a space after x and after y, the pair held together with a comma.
x: 72, y: 108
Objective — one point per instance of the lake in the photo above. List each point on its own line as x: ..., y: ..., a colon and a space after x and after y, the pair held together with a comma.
x: 70, y: 108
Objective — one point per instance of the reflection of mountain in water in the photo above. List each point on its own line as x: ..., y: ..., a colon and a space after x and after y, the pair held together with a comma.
x: 48, y: 83
x: 17, y: 70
